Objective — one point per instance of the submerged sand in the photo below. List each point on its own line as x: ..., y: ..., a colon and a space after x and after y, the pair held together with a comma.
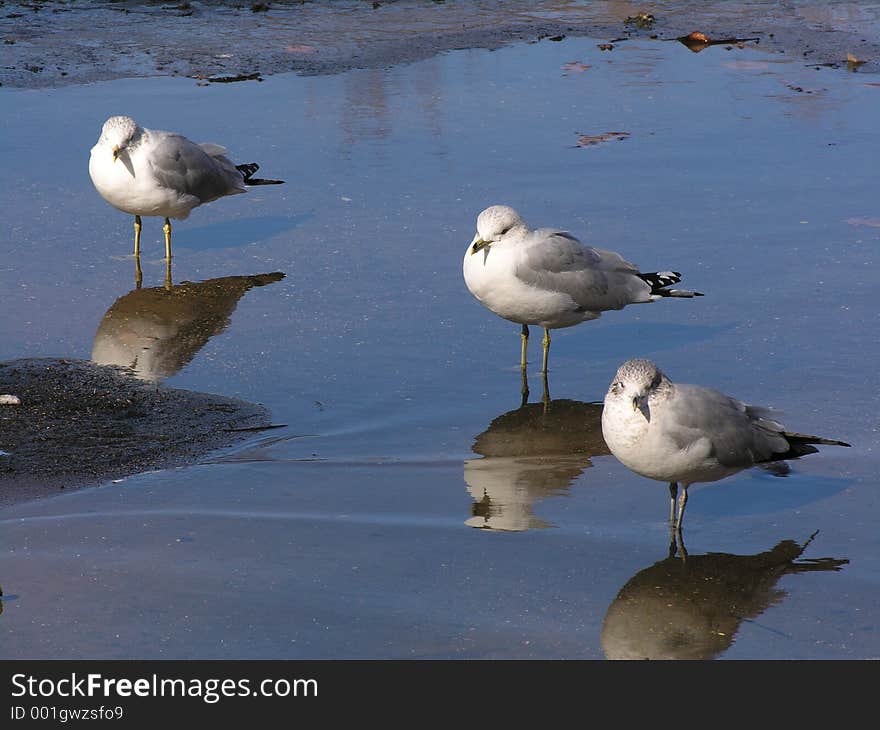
x: 81, y: 424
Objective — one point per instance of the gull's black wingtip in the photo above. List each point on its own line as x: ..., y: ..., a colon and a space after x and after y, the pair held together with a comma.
x: 248, y: 169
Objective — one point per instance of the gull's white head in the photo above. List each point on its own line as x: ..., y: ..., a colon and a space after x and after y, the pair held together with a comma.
x: 118, y: 133
x: 635, y: 381
x: 494, y: 223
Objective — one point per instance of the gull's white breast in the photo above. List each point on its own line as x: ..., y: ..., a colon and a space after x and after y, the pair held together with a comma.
x: 647, y: 450
x: 129, y: 185
x: 490, y: 275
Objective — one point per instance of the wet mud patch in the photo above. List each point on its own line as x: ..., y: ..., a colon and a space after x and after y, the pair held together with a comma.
x: 53, y: 43
x: 80, y: 424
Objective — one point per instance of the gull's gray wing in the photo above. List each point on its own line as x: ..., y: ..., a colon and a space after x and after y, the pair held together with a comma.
x: 595, y: 279
x: 187, y: 168
x: 214, y: 150
x: 739, y: 434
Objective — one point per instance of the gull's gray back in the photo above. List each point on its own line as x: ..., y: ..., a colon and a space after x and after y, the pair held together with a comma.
x: 185, y: 167
x: 740, y: 435
x: 596, y: 280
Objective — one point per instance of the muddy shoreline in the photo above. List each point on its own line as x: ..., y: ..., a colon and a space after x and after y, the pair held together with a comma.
x: 80, y: 424
x: 55, y: 43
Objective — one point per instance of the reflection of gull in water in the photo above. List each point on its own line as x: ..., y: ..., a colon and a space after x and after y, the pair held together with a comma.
x: 157, y: 331
x: 691, y: 607
x: 684, y: 434
x: 530, y: 453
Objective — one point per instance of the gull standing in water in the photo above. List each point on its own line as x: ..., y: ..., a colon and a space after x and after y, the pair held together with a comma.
x: 682, y: 434
x: 154, y: 173
x: 547, y: 277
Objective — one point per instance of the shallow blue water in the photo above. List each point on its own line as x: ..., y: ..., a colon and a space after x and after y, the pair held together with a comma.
x: 347, y: 533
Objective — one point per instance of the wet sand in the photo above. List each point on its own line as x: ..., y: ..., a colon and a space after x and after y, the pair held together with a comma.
x: 56, y: 43
x: 80, y: 424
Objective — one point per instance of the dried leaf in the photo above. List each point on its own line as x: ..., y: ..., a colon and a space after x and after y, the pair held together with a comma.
x: 588, y: 140
x: 697, y: 41
x: 575, y: 67
x: 872, y: 222
x: 853, y: 63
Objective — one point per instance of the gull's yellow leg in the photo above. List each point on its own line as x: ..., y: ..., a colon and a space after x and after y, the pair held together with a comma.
x: 168, y: 274
x: 525, y: 345
x: 167, y: 229
x: 546, y: 342
x: 673, y: 493
x: 137, y: 236
x: 545, y: 396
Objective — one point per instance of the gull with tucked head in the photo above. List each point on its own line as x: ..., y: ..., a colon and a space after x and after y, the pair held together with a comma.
x: 683, y: 434
x: 153, y: 173
x: 547, y: 277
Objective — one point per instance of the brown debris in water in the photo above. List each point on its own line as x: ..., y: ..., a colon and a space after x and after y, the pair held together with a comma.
x: 590, y: 140
x: 575, y: 67
x: 640, y: 20
x: 853, y: 63
x: 698, y: 41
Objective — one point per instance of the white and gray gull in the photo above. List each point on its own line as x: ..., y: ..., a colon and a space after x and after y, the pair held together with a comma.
x: 148, y: 172
x: 683, y: 434
x: 547, y: 277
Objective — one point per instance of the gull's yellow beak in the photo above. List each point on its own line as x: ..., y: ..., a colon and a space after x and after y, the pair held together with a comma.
x: 477, y: 244
x: 115, y: 152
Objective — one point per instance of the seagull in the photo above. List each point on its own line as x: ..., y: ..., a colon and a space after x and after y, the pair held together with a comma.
x: 154, y: 173
x: 547, y: 277
x: 683, y: 434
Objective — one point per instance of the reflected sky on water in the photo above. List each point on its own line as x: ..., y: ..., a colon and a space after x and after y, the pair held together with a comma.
x: 345, y: 533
